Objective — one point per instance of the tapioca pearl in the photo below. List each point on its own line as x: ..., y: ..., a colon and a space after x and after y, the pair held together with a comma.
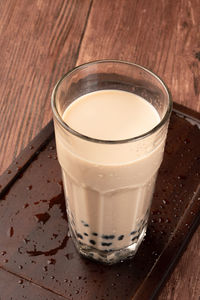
x: 95, y: 234
x: 108, y: 237
x: 106, y: 244
x: 85, y: 233
x: 108, y: 250
x: 92, y: 242
x: 134, y: 238
x: 133, y: 232
x: 80, y: 236
x: 84, y: 223
x: 120, y: 238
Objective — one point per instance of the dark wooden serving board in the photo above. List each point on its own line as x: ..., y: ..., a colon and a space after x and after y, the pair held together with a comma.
x: 37, y: 257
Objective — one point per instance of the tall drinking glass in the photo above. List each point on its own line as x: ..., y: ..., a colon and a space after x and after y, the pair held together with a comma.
x: 109, y: 182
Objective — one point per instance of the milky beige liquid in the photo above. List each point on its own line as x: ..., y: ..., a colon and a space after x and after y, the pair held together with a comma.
x: 109, y: 187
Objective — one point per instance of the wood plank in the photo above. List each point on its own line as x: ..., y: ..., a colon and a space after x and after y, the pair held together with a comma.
x: 184, y: 282
x: 162, y: 36
x: 39, y: 42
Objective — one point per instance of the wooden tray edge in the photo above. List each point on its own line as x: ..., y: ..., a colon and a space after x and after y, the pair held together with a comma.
x: 24, y: 159
x: 154, y: 275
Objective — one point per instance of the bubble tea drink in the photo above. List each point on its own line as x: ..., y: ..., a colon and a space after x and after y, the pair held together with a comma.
x: 110, y: 122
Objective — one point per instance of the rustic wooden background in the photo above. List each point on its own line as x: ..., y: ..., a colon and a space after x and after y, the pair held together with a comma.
x: 40, y: 40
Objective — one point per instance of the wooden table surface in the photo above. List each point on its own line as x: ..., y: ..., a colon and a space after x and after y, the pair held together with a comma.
x: 40, y: 40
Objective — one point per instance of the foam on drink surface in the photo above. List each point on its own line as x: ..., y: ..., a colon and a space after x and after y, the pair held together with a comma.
x: 109, y: 187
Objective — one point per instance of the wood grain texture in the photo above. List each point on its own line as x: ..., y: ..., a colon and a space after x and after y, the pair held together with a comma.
x: 39, y: 42
x: 163, y: 36
x: 184, y: 283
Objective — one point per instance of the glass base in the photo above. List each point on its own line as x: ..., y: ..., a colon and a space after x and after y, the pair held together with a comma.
x: 108, y: 257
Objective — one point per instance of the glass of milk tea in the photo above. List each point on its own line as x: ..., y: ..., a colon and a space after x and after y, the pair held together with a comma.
x: 110, y: 120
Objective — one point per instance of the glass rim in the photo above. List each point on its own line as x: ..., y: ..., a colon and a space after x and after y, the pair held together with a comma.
x: 101, y: 141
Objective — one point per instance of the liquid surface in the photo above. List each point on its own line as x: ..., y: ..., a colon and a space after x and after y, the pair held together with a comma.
x: 111, y: 115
